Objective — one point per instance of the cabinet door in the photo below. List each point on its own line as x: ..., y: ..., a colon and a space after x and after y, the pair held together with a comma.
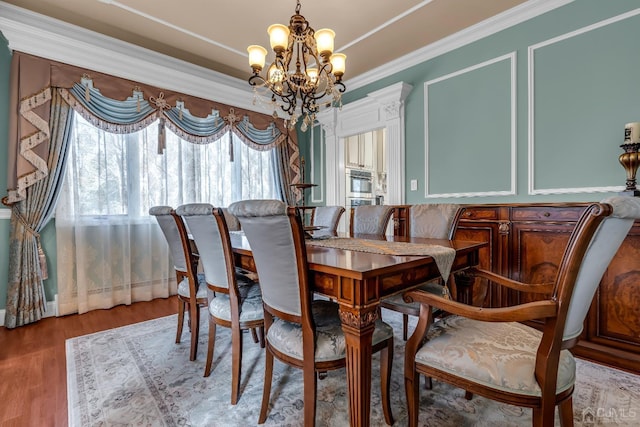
x: 367, y: 151
x: 352, y: 145
x: 537, y: 250
x: 614, y: 319
x: 483, y: 225
x: 539, y: 239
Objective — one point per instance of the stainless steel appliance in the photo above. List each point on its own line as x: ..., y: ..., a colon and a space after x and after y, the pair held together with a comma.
x: 359, y: 184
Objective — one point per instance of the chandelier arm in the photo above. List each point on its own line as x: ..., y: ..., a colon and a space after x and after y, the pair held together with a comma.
x: 289, y: 98
x: 257, y: 80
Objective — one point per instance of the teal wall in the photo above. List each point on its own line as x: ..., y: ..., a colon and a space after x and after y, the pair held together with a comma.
x: 586, y: 89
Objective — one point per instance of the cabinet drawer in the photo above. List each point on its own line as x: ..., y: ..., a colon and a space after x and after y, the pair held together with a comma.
x: 542, y: 213
x: 479, y: 213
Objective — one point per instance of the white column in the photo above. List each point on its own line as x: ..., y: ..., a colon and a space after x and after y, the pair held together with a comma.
x: 391, y: 106
x: 334, y: 189
x: 383, y: 108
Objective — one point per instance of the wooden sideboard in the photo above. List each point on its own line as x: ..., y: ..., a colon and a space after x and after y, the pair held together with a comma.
x: 526, y: 243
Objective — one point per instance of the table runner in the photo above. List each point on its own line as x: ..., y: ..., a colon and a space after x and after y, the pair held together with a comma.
x: 443, y: 256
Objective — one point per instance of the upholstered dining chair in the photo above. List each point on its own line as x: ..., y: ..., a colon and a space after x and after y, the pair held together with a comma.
x: 192, y: 290
x: 299, y: 331
x: 370, y: 219
x: 328, y: 218
x: 237, y: 303
x: 500, y: 358
x: 436, y: 221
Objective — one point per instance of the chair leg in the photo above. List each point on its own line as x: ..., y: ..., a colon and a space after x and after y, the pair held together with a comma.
x: 566, y: 412
x: 545, y: 415
x: 405, y: 326
x: 212, y: 342
x: 261, y: 336
x: 468, y: 395
x: 236, y: 362
x: 254, y: 335
x: 428, y: 384
x: 187, y: 309
x: 180, y: 320
x: 266, y: 389
x: 310, y: 385
x: 411, y: 389
x: 194, y: 321
x: 386, y: 361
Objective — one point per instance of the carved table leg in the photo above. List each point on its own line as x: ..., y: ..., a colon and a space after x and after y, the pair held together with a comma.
x: 358, y: 329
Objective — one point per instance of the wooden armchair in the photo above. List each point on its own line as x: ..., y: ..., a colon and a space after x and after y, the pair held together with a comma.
x: 488, y: 351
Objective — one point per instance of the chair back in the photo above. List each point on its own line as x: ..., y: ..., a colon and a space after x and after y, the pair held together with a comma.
x: 588, y: 255
x: 434, y: 220
x: 166, y: 221
x: 277, y: 243
x: 208, y: 229
x: 328, y: 217
x: 370, y: 219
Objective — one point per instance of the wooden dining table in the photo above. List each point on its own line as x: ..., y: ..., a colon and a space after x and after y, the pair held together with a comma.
x: 357, y: 281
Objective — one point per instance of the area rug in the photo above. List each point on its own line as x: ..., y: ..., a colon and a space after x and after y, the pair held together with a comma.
x: 138, y: 376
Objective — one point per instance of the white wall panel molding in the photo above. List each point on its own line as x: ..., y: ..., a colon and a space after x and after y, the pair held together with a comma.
x: 511, y: 58
x: 531, y: 143
x: 5, y: 213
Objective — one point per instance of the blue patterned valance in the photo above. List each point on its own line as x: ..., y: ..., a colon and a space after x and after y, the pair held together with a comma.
x: 136, y: 113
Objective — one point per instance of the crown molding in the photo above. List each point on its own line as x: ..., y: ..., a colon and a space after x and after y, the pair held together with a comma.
x: 490, y: 26
x: 53, y: 39
x: 50, y: 38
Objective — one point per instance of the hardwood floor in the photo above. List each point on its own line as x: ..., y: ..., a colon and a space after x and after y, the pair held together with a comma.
x: 33, y: 378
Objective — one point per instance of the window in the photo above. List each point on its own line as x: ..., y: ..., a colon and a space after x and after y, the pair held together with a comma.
x: 110, y: 251
x: 112, y: 175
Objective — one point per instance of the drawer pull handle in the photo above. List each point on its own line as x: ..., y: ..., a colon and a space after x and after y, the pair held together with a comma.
x: 547, y: 214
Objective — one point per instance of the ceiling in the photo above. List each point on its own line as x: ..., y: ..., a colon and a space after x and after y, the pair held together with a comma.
x: 215, y: 34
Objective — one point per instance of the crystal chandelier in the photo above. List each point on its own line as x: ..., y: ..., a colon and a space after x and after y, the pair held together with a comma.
x: 304, y: 76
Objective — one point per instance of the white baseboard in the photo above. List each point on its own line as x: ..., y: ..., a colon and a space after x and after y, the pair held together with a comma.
x: 52, y: 310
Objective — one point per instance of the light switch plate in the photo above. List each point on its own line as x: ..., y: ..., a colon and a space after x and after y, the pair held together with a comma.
x: 414, y: 185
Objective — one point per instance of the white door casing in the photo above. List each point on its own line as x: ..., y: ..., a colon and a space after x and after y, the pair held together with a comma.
x: 383, y: 108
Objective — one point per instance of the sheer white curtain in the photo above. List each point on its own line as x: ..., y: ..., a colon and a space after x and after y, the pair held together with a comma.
x: 109, y: 250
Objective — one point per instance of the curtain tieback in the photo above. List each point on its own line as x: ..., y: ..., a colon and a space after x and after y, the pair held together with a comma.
x: 42, y: 257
